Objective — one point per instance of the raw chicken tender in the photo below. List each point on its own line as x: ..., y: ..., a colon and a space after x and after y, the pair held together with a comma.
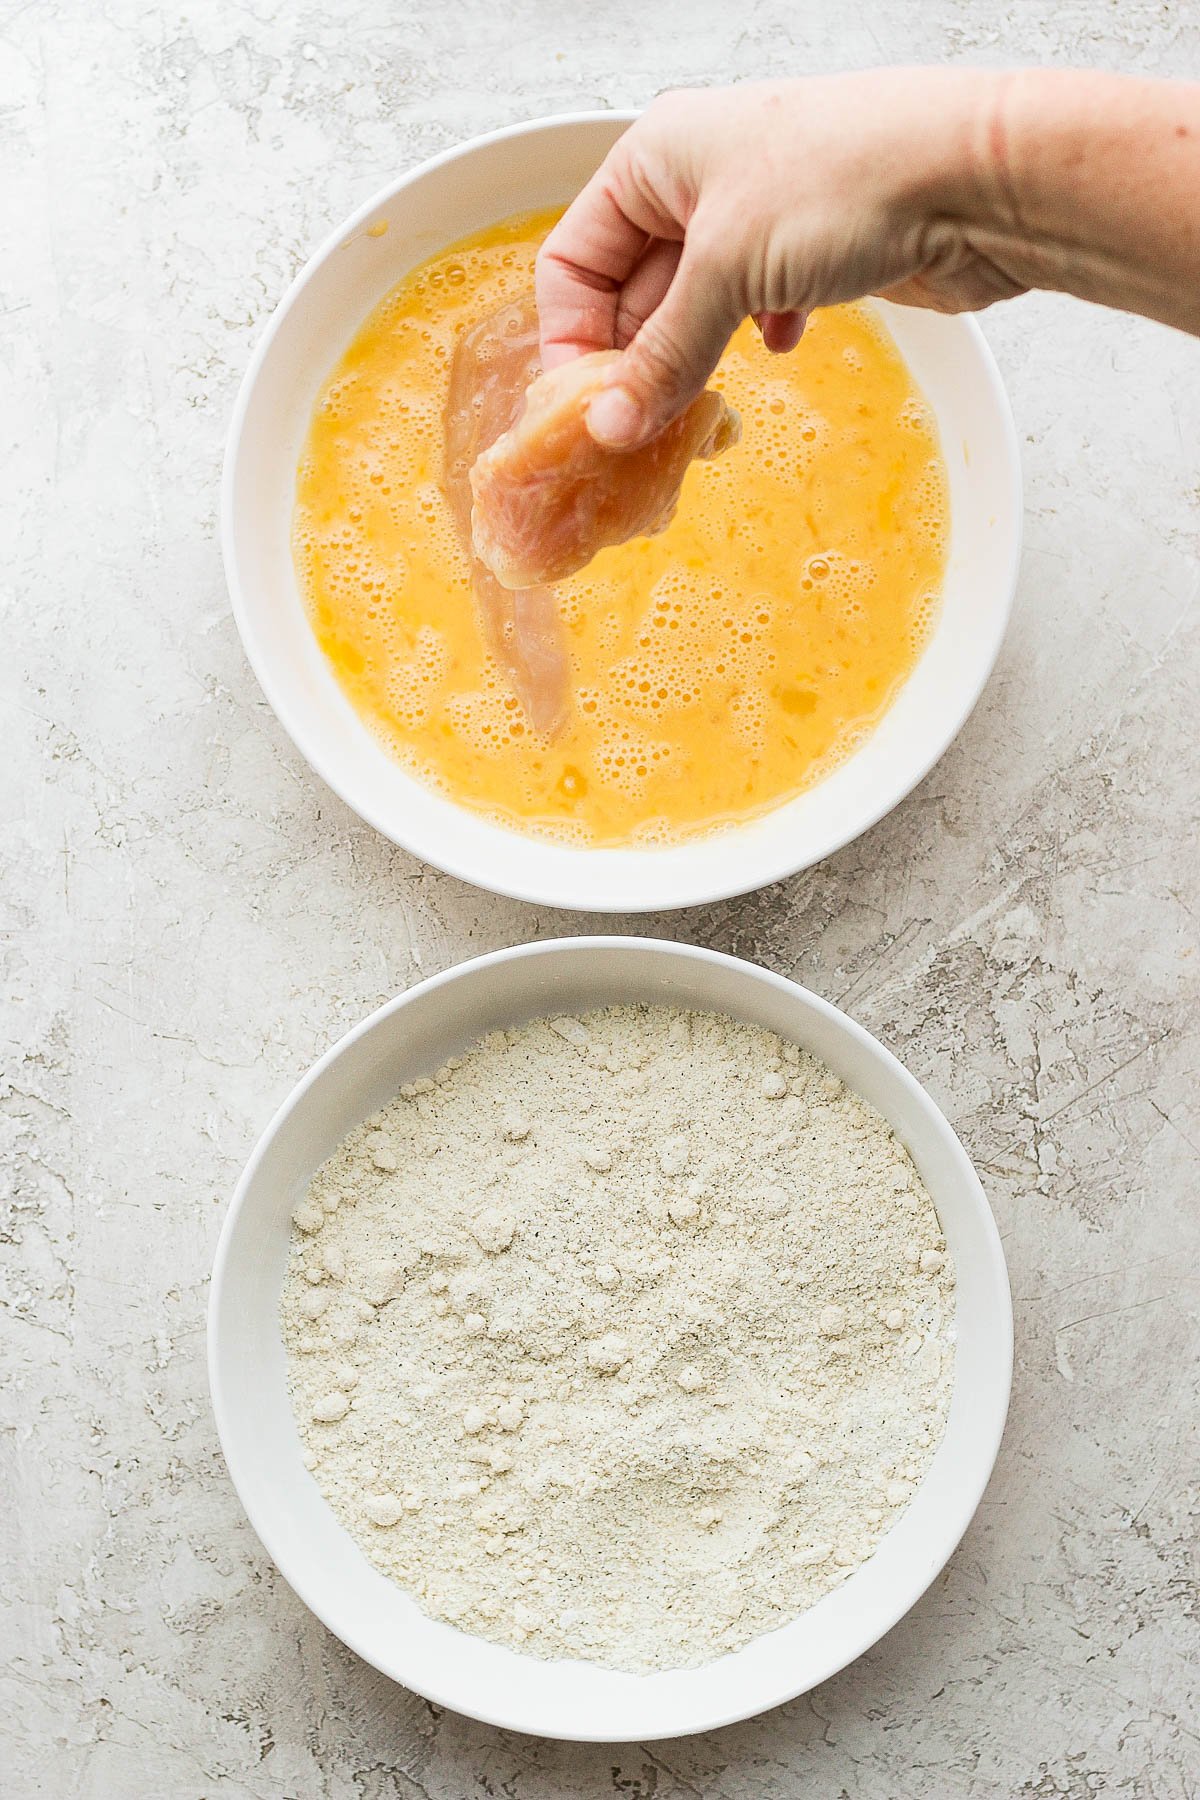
x: 494, y: 364
x: 548, y: 497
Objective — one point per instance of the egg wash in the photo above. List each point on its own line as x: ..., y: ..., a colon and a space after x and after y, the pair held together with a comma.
x: 718, y: 669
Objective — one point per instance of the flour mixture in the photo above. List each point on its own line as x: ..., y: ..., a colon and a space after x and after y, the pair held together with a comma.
x: 624, y: 1337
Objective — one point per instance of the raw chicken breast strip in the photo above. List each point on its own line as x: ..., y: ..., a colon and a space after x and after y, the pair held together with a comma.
x: 548, y: 497
x: 493, y: 366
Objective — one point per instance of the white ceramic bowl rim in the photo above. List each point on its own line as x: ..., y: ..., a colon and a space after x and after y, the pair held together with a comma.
x: 908, y: 741
x: 688, y: 1702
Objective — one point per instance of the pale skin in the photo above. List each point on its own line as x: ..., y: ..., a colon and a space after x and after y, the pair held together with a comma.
x: 942, y: 188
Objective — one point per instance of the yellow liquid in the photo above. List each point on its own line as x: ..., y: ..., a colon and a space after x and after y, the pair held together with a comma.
x: 717, y: 669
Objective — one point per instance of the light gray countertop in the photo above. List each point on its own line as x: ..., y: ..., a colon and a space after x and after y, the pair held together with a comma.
x: 191, y: 917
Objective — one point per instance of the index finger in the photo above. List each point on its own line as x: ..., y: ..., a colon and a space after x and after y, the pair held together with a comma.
x: 588, y: 257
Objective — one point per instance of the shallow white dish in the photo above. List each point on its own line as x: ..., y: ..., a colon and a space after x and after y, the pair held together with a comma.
x: 537, y: 165
x: 412, y: 1035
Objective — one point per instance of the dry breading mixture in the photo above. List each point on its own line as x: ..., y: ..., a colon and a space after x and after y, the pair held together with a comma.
x: 623, y: 1337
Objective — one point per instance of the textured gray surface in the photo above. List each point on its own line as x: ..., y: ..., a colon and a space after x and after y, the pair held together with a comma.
x: 190, y: 918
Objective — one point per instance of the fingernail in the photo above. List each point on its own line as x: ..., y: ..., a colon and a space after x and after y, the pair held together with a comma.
x: 614, y: 418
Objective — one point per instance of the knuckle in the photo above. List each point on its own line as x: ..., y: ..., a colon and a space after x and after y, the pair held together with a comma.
x: 718, y: 238
x: 709, y: 253
x: 657, y: 360
x: 627, y: 324
x: 665, y: 108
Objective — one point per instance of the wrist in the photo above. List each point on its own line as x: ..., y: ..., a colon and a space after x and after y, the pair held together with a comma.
x: 1005, y: 167
x: 963, y: 171
x: 1088, y: 183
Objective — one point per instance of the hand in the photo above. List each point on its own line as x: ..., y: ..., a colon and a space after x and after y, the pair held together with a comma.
x: 767, y: 200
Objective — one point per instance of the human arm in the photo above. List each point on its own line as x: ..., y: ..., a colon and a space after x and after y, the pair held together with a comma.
x: 938, y: 187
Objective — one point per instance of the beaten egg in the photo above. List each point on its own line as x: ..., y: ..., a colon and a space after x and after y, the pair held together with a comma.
x: 717, y: 669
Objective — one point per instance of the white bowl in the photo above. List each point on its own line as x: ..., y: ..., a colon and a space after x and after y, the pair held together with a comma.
x: 413, y: 1035
x: 537, y: 165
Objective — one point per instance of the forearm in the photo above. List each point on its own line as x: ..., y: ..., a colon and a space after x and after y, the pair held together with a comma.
x: 1090, y: 184
x: 947, y: 188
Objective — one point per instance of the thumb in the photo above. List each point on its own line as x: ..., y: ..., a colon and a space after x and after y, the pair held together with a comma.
x: 670, y: 359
